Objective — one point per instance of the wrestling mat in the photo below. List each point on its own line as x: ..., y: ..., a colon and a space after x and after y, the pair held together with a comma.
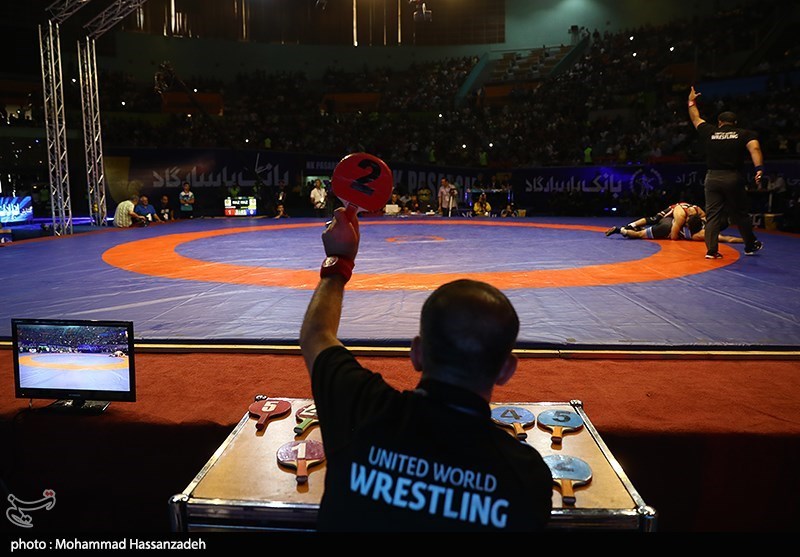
x: 248, y: 281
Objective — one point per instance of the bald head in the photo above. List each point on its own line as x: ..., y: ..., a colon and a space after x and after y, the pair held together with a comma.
x: 468, y: 330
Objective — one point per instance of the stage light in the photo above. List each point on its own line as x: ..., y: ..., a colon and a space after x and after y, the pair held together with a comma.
x: 123, y: 103
x: 634, y: 55
x: 672, y: 49
x: 631, y: 37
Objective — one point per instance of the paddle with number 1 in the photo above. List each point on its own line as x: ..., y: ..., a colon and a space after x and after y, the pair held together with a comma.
x: 301, y: 455
x: 268, y: 409
x: 362, y: 181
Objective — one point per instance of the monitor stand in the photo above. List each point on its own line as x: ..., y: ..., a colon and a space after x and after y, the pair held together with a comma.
x: 77, y: 406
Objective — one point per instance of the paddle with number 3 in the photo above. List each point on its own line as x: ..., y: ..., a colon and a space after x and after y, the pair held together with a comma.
x: 306, y: 418
x: 301, y: 455
x: 559, y: 422
x: 568, y: 473
x: 514, y: 417
x: 268, y: 409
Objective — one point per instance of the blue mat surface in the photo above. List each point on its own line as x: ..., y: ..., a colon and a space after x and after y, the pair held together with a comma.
x: 541, y: 263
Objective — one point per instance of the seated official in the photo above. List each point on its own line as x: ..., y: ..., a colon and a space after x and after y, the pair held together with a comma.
x: 125, y: 215
x: 165, y: 211
x: 144, y: 209
x: 482, y: 208
x: 509, y: 211
x: 429, y: 459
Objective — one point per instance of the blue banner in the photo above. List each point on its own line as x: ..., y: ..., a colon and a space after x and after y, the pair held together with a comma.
x: 16, y: 209
x: 215, y: 174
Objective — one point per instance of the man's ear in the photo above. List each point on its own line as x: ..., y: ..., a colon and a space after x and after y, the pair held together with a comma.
x: 416, y: 353
x: 507, y: 370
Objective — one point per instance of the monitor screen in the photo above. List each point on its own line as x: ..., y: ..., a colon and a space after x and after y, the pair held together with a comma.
x: 74, y: 360
x: 241, y: 206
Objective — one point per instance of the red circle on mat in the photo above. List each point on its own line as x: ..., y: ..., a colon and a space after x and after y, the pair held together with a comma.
x: 674, y: 259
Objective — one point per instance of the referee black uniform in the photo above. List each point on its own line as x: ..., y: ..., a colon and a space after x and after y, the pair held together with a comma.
x: 726, y: 146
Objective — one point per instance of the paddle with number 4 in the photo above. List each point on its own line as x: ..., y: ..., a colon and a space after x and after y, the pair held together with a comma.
x: 514, y: 417
x: 559, y: 422
x: 568, y: 473
x: 268, y: 409
x: 306, y: 418
x: 301, y: 455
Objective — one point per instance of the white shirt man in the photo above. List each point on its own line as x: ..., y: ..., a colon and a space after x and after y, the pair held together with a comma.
x: 318, y: 196
x: 448, y: 197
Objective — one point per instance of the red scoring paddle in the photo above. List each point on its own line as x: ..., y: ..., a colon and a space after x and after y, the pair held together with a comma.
x: 364, y: 181
x: 268, y: 409
x: 301, y: 455
x: 306, y: 417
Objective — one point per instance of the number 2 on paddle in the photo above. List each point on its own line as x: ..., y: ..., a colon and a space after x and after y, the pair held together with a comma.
x: 362, y: 184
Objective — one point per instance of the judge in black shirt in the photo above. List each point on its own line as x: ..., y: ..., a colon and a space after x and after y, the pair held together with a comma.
x: 726, y: 146
x: 430, y: 459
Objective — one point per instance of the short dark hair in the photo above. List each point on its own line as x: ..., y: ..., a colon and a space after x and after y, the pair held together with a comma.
x: 728, y: 117
x: 468, y: 329
x: 695, y: 224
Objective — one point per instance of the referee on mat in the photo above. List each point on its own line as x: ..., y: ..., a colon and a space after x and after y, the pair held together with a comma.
x: 726, y: 146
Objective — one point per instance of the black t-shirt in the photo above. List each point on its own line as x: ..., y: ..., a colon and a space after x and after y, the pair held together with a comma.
x: 424, y: 460
x: 725, y: 146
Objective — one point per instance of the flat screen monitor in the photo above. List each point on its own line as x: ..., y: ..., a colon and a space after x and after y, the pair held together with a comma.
x: 85, y: 365
x: 241, y: 206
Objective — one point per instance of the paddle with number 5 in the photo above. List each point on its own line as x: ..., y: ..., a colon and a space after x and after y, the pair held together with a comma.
x: 559, y: 422
x: 268, y: 409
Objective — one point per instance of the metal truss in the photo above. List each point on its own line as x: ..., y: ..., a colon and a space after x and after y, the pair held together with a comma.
x: 55, y: 124
x: 112, y: 15
x: 50, y: 47
x: 63, y: 9
x: 92, y: 136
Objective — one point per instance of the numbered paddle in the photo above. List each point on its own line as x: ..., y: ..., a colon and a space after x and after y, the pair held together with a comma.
x: 514, y: 417
x: 559, y: 422
x: 362, y: 181
x: 301, y: 455
x: 268, y: 409
x: 568, y: 473
x: 306, y: 418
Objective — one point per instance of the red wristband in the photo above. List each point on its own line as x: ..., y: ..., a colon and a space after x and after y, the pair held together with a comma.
x: 337, y: 265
